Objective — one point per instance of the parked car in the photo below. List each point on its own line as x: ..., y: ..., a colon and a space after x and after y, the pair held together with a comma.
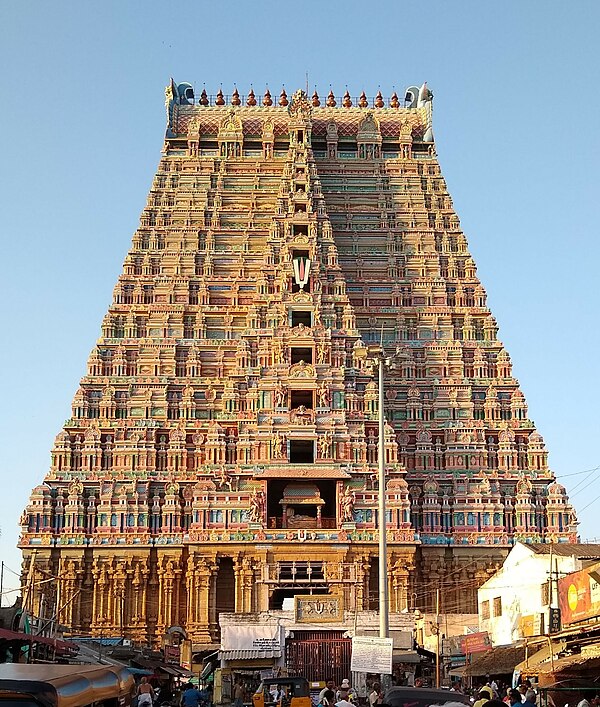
x: 422, y: 697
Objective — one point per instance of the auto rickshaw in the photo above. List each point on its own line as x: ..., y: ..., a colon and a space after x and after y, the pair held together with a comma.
x: 50, y: 685
x: 293, y: 692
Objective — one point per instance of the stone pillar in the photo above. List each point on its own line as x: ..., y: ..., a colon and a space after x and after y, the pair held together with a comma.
x: 400, y: 575
x: 200, y: 573
x: 137, y: 603
x: 169, y: 573
x: 246, y: 579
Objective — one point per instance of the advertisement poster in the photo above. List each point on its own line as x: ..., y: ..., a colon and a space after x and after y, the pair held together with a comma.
x: 476, y: 643
x: 578, y: 596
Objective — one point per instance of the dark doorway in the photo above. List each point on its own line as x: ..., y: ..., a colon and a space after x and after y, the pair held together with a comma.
x: 302, y: 451
x: 302, y: 353
x: 225, y: 591
x: 374, y: 584
x: 301, y: 397
x: 300, y: 316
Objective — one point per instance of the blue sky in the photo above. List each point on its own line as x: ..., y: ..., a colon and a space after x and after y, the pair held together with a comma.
x: 516, y: 113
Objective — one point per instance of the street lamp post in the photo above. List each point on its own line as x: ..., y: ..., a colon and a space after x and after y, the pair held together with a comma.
x: 375, y: 356
x: 384, y: 627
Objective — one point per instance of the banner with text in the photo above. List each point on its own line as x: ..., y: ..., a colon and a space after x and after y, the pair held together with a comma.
x: 371, y: 655
x: 251, y: 638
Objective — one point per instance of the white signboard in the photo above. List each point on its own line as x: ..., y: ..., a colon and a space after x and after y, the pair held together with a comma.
x: 371, y: 655
x: 259, y: 637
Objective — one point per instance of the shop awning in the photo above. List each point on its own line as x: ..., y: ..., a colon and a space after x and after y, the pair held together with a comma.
x: 249, y: 655
x: 56, y: 643
x: 497, y: 661
x: 400, y: 656
x: 535, y: 660
x: 209, y: 669
x: 170, y: 669
x: 576, y: 665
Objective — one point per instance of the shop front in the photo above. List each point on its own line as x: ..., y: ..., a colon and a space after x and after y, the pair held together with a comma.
x: 250, y: 652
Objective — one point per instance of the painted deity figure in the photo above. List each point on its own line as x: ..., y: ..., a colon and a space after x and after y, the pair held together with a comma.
x: 323, y: 394
x: 277, y: 446
x: 324, y: 446
x: 256, y: 506
x: 279, y: 396
x: 347, y: 505
x: 224, y: 479
x: 277, y: 350
x: 322, y: 352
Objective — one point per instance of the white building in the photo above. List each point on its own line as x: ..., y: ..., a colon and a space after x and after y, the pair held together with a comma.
x: 514, y: 603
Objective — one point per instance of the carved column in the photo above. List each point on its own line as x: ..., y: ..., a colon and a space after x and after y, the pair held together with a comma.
x: 247, y: 577
x: 199, y: 581
x: 137, y: 619
x: 239, y: 589
x: 399, y: 585
x: 362, y: 577
x: 169, y: 573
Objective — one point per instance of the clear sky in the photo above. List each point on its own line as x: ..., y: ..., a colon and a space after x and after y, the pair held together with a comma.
x: 516, y: 116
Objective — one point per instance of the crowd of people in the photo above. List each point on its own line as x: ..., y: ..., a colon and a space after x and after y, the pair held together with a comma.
x: 491, y: 694
x: 343, y: 696
x: 494, y: 694
x: 165, y: 693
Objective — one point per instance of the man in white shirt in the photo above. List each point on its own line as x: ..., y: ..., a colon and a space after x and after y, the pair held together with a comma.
x: 375, y: 697
x: 329, y: 685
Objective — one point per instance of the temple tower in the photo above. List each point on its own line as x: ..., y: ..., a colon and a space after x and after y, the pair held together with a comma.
x: 221, y: 455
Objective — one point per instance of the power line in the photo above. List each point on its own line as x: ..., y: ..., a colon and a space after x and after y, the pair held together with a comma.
x: 589, y: 473
x: 577, y: 473
x: 589, y: 504
x: 17, y: 574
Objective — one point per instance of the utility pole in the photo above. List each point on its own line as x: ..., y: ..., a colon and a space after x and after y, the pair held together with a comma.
x: 550, y: 604
x: 2, y: 584
x: 437, y: 637
x: 553, y: 605
x: 384, y: 627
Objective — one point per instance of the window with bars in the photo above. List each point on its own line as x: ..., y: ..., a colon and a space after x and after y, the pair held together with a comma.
x: 545, y: 593
x: 485, y: 609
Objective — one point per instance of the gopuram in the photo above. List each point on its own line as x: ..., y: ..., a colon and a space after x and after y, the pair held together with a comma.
x: 222, y: 451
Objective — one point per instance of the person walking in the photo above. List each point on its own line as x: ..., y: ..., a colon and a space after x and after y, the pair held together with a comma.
x: 145, y: 693
x: 238, y: 694
x: 484, y: 696
x: 329, y: 686
x: 345, y: 693
x: 191, y: 696
x: 594, y: 702
x: 514, y: 698
x: 376, y: 695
